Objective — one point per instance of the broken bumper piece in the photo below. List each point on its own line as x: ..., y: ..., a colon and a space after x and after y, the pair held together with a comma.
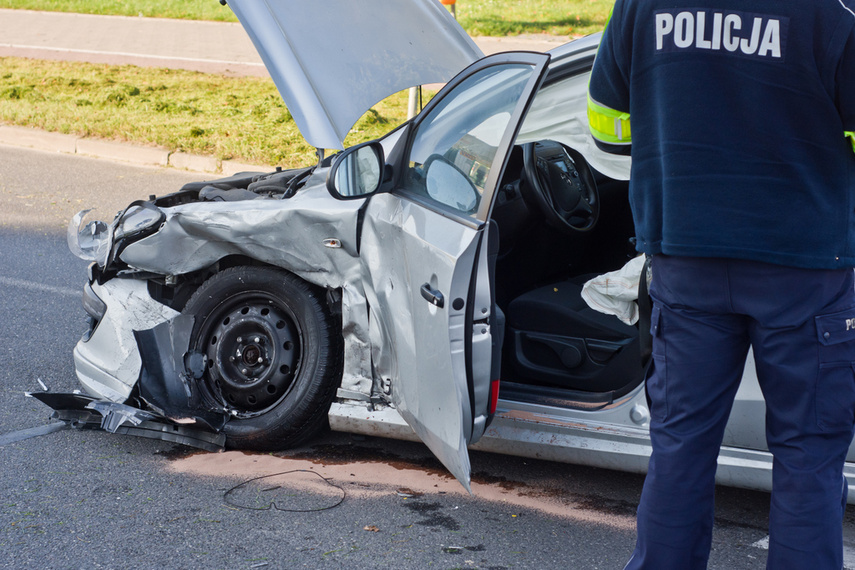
x: 86, y: 412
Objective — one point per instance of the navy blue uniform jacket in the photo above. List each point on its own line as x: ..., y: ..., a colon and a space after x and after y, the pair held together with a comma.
x: 738, y: 112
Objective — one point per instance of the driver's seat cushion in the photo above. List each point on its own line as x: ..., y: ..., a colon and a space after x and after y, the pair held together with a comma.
x: 555, y: 339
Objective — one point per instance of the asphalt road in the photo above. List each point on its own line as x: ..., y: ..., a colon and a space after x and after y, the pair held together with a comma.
x: 88, y: 499
x: 210, y: 47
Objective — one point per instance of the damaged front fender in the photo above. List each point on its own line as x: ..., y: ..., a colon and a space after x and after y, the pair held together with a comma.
x: 293, y: 234
x: 311, y: 235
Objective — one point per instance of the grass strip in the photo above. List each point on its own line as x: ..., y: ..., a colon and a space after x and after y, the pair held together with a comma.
x: 230, y: 118
x: 572, y: 18
x: 178, y: 9
x: 478, y: 17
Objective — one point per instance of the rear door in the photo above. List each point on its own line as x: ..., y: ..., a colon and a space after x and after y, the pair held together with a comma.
x: 424, y: 252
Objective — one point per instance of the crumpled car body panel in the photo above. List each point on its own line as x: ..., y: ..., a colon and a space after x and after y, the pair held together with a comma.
x: 108, y: 364
x: 195, y: 236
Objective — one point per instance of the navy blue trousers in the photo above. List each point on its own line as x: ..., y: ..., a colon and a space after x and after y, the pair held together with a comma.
x: 801, y: 326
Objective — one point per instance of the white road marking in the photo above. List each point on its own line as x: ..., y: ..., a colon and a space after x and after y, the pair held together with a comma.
x: 127, y: 54
x: 848, y: 553
x: 33, y: 286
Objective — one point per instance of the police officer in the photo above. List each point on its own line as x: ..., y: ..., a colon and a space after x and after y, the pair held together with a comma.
x: 743, y: 191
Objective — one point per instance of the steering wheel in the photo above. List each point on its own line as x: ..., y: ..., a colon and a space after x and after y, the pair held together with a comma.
x: 561, y: 185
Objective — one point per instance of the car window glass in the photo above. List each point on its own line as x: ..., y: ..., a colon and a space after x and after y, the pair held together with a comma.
x: 464, y: 131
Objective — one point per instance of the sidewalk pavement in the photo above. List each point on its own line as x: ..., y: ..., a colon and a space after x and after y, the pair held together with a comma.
x: 209, y: 47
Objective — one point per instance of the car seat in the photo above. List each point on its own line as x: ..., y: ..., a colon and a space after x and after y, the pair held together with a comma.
x: 554, y: 339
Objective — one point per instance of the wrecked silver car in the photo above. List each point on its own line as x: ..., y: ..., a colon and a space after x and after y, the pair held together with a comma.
x: 422, y: 286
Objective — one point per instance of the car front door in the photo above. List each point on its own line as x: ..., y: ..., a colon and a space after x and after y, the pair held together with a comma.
x: 424, y: 254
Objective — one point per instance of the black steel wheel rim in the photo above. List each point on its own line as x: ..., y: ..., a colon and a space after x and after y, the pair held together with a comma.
x: 252, y: 345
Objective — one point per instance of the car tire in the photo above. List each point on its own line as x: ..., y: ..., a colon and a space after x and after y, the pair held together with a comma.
x: 273, y: 355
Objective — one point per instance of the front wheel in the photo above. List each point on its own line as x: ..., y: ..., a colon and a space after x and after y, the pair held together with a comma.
x: 273, y: 355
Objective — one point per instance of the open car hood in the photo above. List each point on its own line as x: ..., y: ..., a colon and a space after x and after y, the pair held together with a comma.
x: 334, y: 60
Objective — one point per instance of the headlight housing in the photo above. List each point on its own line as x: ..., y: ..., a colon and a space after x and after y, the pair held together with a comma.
x: 90, y: 242
x: 137, y: 219
x: 95, y: 241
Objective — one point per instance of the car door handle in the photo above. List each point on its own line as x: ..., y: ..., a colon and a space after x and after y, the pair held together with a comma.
x: 432, y: 296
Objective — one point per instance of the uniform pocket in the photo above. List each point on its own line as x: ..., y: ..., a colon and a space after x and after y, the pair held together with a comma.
x: 835, y: 396
x: 835, y: 383
x: 657, y: 374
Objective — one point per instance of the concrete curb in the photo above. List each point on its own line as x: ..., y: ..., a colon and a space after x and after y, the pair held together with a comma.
x: 41, y: 140
x: 230, y: 167
x: 194, y: 162
x: 122, y: 152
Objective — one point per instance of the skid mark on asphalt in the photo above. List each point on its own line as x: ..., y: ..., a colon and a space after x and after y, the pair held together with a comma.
x: 33, y: 286
x: 367, y: 480
x: 848, y: 553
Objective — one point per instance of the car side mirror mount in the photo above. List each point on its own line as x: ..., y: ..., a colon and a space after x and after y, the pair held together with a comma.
x: 357, y: 172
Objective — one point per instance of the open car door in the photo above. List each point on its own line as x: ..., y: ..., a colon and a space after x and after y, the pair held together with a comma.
x: 425, y: 255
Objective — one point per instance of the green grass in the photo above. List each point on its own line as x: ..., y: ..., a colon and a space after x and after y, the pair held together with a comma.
x: 478, y: 17
x: 513, y: 17
x: 183, y: 9
x: 230, y: 118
